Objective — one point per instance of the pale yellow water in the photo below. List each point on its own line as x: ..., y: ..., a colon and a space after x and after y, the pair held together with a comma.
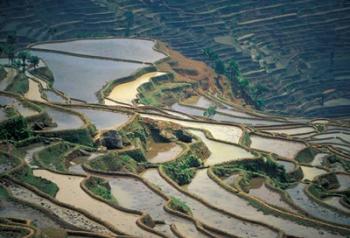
x: 311, y: 172
x: 127, y: 92
x: 221, y: 152
x: 34, y: 91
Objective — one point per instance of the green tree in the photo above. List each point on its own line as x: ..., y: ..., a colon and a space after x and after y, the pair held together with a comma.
x: 34, y: 60
x: 243, y: 83
x: 219, y: 67
x: 210, y: 54
x: 130, y: 18
x: 11, y: 38
x: 210, y: 112
x: 9, y: 50
x: 233, y: 69
x: 24, y: 56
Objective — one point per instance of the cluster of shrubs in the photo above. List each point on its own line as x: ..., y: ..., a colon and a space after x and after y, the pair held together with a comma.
x: 263, y: 167
x: 179, y: 205
x: 100, y: 187
x: 182, y: 170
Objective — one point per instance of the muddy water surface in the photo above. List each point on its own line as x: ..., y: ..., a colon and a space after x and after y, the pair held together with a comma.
x: 162, y: 152
x: 70, y: 190
x: 210, y: 191
x: 286, y: 149
x: 301, y: 199
x: 73, y: 217
x: 142, y: 198
x: 207, y: 215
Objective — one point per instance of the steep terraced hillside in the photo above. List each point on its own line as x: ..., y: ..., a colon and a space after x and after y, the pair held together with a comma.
x: 294, y: 54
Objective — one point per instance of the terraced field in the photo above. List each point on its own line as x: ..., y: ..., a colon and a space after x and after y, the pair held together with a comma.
x: 297, y: 50
x: 125, y: 137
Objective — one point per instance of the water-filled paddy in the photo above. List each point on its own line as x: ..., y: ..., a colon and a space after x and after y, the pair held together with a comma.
x: 54, y: 97
x: 259, y: 189
x: 70, y: 190
x: 223, y: 117
x: 284, y: 148
x: 71, y: 216
x: 128, y: 49
x: 218, y: 131
x: 292, y: 131
x: 335, y: 202
x: 134, y: 194
x: 299, y: 197
x: 80, y: 77
x: 207, y: 215
x: 288, y: 166
x: 162, y: 152
x: 127, y: 92
x: 63, y: 119
x: 203, y: 102
x: 104, y: 119
x: 344, y: 181
x: 23, y: 110
x: 207, y: 189
x: 311, y: 172
x: 20, y: 211
x: 221, y: 152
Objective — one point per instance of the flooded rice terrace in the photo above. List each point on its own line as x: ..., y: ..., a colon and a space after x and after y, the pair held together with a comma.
x: 86, y: 153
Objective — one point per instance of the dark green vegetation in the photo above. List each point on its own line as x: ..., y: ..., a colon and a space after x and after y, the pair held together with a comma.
x: 182, y: 170
x: 14, y: 128
x: 25, y: 175
x: 7, y: 163
x: 256, y: 167
x: 101, y: 188
x: 112, y: 162
x: 306, y: 155
x: 210, y: 112
x: 53, y: 156
x: 179, y: 205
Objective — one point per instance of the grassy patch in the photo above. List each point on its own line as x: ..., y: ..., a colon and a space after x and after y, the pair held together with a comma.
x: 182, y: 170
x: 19, y: 84
x: 115, y: 162
x: 25, y: 175
x: 180, y: 206
x: 162, y: 94
x: 53, y: 156
x: 7, y: 163
x: 3, y: 193
x: 101, y: 188
x: 245, y: 140
x: 306, y: 155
